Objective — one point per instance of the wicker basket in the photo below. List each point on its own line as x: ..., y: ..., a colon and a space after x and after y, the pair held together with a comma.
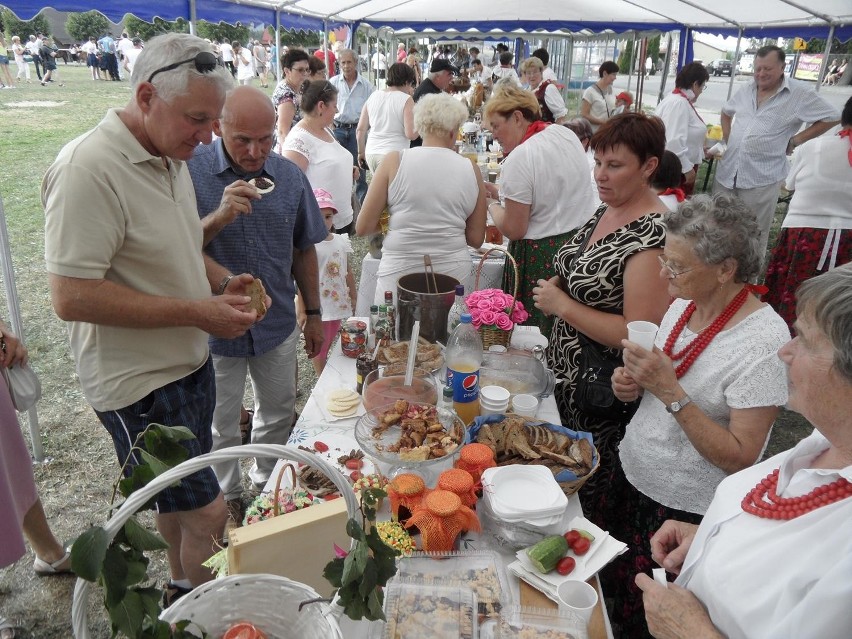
x: 491, y: 335
x: 251, y: 606
x: 571, y: 486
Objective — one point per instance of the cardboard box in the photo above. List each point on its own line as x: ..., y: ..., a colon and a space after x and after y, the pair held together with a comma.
x: 297, y: 545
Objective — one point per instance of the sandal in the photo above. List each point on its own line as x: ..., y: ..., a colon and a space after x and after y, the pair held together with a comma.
x: 245, y: 427
x: 7, y: 630
x: 172, y: 592
x: 45, y: 569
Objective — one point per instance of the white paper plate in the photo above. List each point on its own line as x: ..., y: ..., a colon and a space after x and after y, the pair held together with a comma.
x: 337, y: 445
x: 524, y: 490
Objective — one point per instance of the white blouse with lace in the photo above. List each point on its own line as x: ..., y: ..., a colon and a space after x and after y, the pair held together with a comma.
x: 739, y: 369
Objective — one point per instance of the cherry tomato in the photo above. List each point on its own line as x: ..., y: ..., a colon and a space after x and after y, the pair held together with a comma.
x: 572, y: 536
x: 355, y: 475
x: 354, y: 464
x: 320, y: 447
x: 581, y: 546
x: 244, y: 630
x: 565, y: 565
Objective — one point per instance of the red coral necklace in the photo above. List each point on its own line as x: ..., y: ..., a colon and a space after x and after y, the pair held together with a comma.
x: 692, y: 350
x: 763, y: 500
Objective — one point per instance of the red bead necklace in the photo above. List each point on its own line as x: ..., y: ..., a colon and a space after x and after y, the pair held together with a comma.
x: 692, y: 350
x: 763, y: 500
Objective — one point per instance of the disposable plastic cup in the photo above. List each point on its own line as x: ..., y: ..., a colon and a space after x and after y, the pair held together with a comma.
x: 642, y: 333
x: 578, y: 597
x: 495, y: 395
x: 486, y: 412
x: 526, y: 405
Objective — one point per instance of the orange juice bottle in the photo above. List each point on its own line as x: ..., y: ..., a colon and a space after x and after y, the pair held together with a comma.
x: 464, y: 358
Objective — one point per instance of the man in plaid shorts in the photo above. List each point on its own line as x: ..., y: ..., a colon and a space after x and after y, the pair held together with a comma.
x: 123, y: 249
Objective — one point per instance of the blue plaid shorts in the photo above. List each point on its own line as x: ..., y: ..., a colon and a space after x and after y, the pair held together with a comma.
x: 187, y: 402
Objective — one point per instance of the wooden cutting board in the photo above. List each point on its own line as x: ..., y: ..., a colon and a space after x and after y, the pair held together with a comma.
x: 535, y: 598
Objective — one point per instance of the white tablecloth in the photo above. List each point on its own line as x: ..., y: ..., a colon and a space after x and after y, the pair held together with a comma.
x: 491, y: 276
x: 340, y: 373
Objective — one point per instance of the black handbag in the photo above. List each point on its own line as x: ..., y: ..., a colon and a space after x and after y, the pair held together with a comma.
x: 593, y: 394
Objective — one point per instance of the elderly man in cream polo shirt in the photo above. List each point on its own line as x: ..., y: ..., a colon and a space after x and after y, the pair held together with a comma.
x: 123, y: 249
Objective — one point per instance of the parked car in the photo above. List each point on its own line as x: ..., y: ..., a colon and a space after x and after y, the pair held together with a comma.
x: 720, y: 67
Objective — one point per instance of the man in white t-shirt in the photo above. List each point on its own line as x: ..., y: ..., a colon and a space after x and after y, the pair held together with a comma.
x: 130, y: 56
x: 124, y: 45
x: 227, y: 52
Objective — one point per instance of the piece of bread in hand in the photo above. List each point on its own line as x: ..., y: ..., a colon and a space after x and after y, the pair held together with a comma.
x: 258, y: 297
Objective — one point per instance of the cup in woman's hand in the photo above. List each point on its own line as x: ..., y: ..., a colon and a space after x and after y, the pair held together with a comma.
x: 642, y: 333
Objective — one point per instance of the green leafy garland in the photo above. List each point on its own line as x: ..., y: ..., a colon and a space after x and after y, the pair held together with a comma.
x: 361, y: 574
x: 120, y: 566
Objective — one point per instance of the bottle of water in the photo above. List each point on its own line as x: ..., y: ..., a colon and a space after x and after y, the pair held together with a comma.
x: 391, y: 314
x: 459, y: 306
x: 464, y: 359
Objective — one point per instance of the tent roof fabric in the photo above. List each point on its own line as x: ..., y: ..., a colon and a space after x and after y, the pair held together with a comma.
x: 766, y: 18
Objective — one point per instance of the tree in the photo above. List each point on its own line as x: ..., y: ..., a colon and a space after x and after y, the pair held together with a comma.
x: 147, y: 30
x: 10, y: 25
x: 625, y: 58
x: 300, y: 39
x: 222, y: 32
x: 82, y: 26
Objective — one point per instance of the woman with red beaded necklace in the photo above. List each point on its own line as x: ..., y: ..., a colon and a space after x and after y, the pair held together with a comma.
x: 710, y: 390
x: 772, y: 557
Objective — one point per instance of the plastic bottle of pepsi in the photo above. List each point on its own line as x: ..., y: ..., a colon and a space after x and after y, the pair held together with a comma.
x: 464, y: 359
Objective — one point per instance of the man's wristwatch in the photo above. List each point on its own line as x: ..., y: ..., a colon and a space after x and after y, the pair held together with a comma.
x: 676, y: 407
x: 313, y: 311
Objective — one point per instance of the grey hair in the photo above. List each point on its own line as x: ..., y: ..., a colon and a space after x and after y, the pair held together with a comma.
x: 827, y: 298
x: 350, y: 52
x: 720, y: 226
x: 167, y: 49
x: 438, y: 113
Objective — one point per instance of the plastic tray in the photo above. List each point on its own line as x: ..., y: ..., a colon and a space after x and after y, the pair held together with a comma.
x: 415, y: 609
x: 480, y: 570
x: 519, y: 622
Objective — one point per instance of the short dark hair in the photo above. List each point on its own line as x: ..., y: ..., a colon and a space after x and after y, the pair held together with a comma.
x: 316, y: 91
x: 607, y: 67
x: 762, y: 52
x: 542, y: 55
x: 690, y: 74
x: 642, y: 135
x: 502, y: 47
x: 506, y: 57
x: 293, y: 56
x: 846, y: 116
x: 669, y: 172
x: 315, y: 65
x: 474, y: 50
x: 476, y: 61
x: 400, y: 75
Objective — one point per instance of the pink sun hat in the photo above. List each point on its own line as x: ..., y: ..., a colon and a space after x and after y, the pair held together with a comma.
x: 324, y: 199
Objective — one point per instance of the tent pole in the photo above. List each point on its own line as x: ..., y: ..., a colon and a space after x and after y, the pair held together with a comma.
x: 665, y: 68
x: 824, y: 66
x: 329, y: 71
x: 193, y: 17
x: 736, y: 62
x: 14, y: 319
x: 277, y: 46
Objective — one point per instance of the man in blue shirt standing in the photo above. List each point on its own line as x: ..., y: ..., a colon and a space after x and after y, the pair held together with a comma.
x: 352, y: 93
x: 270, y: 235
x: 107, y: 45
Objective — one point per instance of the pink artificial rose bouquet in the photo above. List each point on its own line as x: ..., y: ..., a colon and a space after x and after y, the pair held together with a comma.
x: 491, y: 307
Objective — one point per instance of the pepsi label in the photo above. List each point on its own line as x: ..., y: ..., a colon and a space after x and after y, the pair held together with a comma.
x: 465, y: 385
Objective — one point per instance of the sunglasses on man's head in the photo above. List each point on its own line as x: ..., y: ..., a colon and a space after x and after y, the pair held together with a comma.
x: 205, y: 62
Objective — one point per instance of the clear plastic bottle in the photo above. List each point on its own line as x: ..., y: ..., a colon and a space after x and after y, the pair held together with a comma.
x: 391, y: 314
x: 459, y: 306
x: 447, y: 398
x: 464, y: 359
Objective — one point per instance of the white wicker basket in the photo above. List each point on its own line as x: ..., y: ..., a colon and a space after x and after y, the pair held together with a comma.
x: 79, y: 612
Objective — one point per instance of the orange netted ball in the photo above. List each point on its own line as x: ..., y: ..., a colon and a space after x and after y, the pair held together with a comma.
x: 440, y: 518
x: 475, y: 458
x: 460, y: 482
x: 406, y: 489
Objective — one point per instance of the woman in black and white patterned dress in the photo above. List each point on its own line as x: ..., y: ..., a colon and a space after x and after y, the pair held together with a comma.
x: 614, y: 281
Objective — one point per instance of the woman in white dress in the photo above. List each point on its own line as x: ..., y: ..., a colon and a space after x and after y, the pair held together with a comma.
x: 315, y: 150
x: 685, y: 129
x: 435, y: 196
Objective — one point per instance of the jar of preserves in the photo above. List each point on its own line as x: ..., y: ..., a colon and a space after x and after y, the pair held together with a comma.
x: 353, y: 338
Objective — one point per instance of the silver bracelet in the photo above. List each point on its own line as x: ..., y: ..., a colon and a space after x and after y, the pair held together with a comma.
x: 224, y: 284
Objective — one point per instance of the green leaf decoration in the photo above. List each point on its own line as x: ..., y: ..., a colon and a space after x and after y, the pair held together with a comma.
x: 150, y: 598
x: 369, y: 580
x: 374, y: 605
x: 173, y: 433
x: 137, y: 572
x: 114, y: 576
x: 333, y: 572
x: 126, y: 616
x: 157, y: 466
x: 88, y: 552
x: 350, y: 572
x: 354, y: 530
x: 140, y: 476
x: 141, y: 538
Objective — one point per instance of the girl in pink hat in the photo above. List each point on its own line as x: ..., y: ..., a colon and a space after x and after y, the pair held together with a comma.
x: 336, y: 282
